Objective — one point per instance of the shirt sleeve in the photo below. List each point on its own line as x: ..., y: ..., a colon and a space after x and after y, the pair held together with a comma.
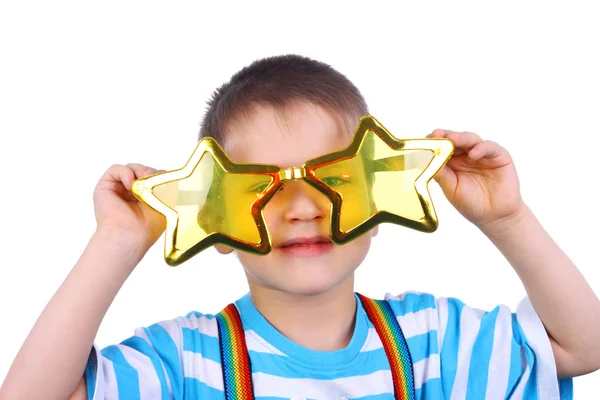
x: 145, y: 366
x: 496, y: 354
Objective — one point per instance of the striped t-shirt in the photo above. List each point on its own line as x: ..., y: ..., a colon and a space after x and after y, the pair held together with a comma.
x: 458, y: 352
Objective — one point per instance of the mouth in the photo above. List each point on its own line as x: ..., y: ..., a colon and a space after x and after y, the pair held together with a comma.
x: 307, y: 246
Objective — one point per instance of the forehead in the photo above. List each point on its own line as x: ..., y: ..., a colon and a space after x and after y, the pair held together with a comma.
x: 287, y: 137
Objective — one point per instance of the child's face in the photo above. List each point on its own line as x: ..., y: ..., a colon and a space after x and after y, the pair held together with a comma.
x: 298, y: 212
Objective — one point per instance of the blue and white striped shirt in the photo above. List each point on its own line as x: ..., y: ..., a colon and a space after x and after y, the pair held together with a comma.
x: 458, y: 352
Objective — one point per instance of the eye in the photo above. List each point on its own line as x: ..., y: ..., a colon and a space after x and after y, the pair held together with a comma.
x: 335, y: 181
x: 261, y: 187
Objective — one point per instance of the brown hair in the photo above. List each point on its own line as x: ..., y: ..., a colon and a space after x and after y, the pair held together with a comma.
x: 279, y: 81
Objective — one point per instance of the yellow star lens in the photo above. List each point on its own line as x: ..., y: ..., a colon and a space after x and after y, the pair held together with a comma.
x: 210, y: 201
x: 377, y: 179
x: 213, y: 201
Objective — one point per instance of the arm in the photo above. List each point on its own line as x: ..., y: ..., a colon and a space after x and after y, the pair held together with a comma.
x: 44, y: 370
x: 51, y: 362
x: 481, y: 182
x: 566, y: 304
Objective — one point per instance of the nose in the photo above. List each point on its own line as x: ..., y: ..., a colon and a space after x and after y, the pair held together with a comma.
x: 301, y: 202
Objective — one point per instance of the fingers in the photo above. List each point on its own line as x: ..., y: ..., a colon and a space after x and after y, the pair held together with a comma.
x: 126, y: 174
x: 119, y: 174
x: 487, y: 149
x: 463, y: 141
x: 141, y: 171
x: 475, y: 148
x: 447, y: 180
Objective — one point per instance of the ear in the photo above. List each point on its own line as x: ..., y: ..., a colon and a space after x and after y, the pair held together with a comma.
x: 222, y: 249
x: 375, y: 231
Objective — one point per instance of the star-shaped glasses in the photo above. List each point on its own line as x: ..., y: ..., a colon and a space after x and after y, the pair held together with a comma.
x: 376, y: 179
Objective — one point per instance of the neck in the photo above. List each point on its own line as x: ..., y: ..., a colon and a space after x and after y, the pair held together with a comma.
x: 305, y: 318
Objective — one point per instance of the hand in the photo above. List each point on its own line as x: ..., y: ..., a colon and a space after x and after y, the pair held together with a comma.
x: 480, y: 180
x: 119, y: 211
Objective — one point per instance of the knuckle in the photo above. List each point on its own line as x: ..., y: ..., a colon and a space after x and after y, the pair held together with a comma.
x: 115, y: 167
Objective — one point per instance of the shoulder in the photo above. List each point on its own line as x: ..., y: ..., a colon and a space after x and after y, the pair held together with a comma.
x: 476, y: 350
x: 452, y: 319
x: 192, y: 321
x: 186, y: 332
x: 411, y: 302
x: 416, y: 312
x: 195, y: 320
x: 440, y: 310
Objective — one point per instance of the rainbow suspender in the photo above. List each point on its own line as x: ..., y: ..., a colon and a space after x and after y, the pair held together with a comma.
x: 382, y: 317
x: 235, y: 361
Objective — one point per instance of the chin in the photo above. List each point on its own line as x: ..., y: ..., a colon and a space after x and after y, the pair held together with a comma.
x: 308, y: 288
x: 310, y: 281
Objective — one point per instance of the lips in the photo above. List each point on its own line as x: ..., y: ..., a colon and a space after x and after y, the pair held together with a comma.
x: 306, y: 246
x: 306, y: 241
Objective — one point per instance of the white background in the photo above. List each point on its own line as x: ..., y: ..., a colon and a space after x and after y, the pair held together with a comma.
x: 83, y: 86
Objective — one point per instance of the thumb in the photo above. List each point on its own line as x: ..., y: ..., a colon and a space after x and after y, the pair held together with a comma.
x: 446, y: 178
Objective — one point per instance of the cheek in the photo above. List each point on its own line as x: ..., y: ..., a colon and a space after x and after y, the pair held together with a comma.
x: 363, y: 242
x: 349, y: 256
x: 258, y: 268
x: 248, y: 261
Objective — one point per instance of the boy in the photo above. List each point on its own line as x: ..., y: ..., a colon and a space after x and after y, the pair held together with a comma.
x: 307, y: 334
